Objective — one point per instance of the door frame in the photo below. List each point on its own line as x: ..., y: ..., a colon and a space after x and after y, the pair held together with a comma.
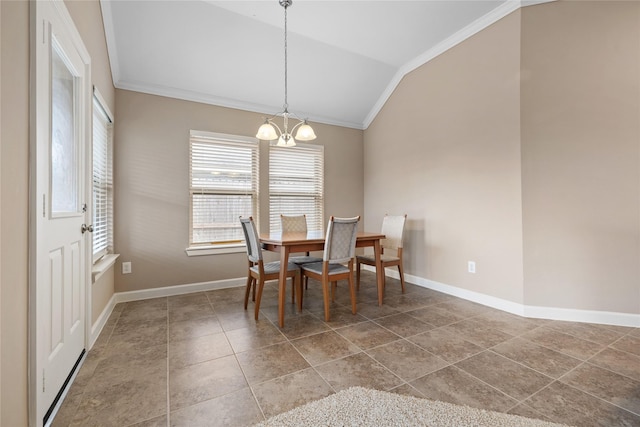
x: 36, y: 30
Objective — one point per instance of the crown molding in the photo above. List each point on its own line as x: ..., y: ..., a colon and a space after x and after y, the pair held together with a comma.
x: 475, y: 27
x: 203, y: 98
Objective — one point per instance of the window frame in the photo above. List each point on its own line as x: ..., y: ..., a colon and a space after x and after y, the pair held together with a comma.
x: 203, y: 137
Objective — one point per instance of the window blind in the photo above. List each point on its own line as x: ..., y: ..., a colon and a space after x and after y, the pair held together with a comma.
x: 296, y: 184
x: 223, y: 186
x: 102, y: 181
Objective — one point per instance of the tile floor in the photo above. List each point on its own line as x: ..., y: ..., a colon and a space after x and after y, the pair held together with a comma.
x: 201, y: 360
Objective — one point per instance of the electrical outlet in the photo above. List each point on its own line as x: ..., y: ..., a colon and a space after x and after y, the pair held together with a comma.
x: 126, y: 267
x: 472, y: 266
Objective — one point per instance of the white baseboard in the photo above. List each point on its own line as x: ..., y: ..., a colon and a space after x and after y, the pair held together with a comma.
x: 97, y: 327
x: 168, y: 291
x: 551, y: 313
x: 586, y: 316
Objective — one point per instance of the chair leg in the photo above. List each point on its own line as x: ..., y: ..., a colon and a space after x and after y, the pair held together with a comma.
x: 352, y: 290
x: 247, y: 291
x: 358, y: 275
x: 325, y: 295
x: 259, y: 296
x: 334, y: 286
x: 298, y: 283
x: 401, y: 277
x: 293, y: 291
x: 306, y: 279
x: 253, y: 285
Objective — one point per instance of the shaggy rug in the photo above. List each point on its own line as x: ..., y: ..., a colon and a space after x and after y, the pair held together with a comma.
x: 358, y: 406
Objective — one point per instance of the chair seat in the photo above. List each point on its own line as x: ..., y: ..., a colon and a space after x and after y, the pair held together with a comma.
x: 298, y: 260
x: 274, y: 267
x: 372, y: 258
x: 316, y: 267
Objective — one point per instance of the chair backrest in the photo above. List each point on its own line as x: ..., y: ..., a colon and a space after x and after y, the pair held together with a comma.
x: 340, y: 243
x: 393, y: 229
x: 254, y: 251
x: 293, y: 223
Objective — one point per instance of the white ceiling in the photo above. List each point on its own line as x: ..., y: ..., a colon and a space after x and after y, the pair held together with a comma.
x: 344, y: 57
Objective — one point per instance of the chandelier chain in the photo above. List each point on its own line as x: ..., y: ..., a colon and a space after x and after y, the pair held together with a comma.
x: 269, y: 130
x: 286, y: 103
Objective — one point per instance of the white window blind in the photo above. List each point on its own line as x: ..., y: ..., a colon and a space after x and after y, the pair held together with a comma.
x: 224, y: 186
x: 296, y: 184
x: 102, y: 180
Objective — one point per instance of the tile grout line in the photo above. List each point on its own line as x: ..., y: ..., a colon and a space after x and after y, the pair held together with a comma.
x: 235, y: 356
x: 168, y: 371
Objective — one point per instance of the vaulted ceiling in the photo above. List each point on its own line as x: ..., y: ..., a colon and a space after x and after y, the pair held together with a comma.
x: 344, y: 57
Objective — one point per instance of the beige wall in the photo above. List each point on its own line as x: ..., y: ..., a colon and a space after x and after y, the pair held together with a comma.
x: 0, y: 217
x: 87, y: 17
x: 14, y: 226
x: 152, y: 186
x: 581, y: 155
x: 445, y: 149
x: 14, y: 158
x: 101, y: 292
x: 520, y: 149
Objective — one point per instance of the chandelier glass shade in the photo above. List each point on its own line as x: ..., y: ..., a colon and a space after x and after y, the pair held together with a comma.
x: 270, y: 131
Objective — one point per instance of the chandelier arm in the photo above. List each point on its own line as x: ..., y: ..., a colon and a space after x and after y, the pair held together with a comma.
x: 272, y: 123
x: 300, y: 122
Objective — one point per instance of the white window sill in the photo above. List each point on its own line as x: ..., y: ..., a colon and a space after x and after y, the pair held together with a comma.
x: 216, y: 250
x: 105, y: 263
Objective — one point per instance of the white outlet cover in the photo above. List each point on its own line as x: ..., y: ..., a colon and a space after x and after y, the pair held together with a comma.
x: 472, y: 267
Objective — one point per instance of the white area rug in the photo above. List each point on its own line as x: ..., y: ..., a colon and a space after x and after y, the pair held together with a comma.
x: 358, y: 406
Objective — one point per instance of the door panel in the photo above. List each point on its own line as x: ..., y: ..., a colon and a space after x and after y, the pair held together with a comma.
x: 59, y: 258
x: 75, y: 299
x: 56, y: 320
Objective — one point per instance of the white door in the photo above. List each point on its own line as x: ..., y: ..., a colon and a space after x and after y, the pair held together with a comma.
x: 61, y: 103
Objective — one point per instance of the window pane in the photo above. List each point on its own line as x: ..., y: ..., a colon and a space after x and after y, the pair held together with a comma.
x: 221, y: 167
x: 215, y: 217
x: 64, y: 151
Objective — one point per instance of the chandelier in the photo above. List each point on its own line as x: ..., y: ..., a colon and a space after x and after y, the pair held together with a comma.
x: 267, y: 131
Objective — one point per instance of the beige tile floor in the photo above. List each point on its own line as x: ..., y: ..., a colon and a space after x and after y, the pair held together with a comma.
x: 201, y: 360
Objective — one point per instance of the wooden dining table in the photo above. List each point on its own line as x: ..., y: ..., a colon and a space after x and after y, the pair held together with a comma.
x: 286, y: 243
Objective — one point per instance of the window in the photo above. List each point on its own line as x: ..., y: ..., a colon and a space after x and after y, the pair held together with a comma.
x: 223, y: 186
x: 102, y: 179
x: 296, y: 184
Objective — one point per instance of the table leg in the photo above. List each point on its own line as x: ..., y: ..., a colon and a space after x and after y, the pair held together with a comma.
x: 282, y: 283
x: 379, y: 271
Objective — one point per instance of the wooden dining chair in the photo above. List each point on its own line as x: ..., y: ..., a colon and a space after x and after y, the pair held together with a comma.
x: 393, y: 229
x: 337, y: 261
x: 259, y: 272
x: 298, y: 224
